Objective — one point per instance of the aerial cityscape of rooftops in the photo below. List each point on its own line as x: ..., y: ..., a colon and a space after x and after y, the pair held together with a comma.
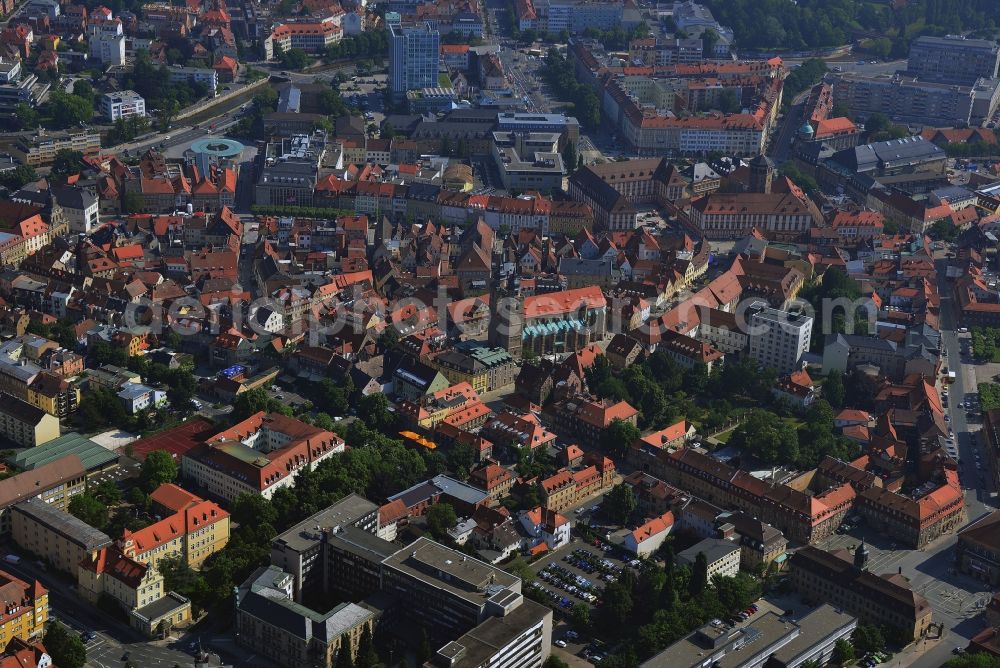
x: 499, y: 333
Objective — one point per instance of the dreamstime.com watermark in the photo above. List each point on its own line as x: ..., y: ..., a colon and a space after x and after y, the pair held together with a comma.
x: 356, y: 312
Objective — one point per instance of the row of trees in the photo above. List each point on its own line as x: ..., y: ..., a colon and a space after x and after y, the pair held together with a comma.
x: 368, y: 44
x: 786, y: 24
x: 558, y: 72
x: 803, y: 77
x: 984, y: 342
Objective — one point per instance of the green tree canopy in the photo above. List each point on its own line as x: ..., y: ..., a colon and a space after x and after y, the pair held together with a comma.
x: 620, y: 503
x: 440, y: 518
x: 88, y: 509
x: 65, y: 647
x: 158, y: 468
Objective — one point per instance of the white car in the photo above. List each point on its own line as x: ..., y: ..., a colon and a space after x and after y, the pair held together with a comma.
x: 559, y: 643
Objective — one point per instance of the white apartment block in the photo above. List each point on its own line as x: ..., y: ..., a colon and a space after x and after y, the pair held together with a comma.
x: 202, y: 75
x: 779, y: 339
x: 122, y: 104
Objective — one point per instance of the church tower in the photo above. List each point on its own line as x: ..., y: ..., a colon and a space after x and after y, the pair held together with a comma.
x: 506, y: 316
x: 861, y: 556
x: 761, y: 174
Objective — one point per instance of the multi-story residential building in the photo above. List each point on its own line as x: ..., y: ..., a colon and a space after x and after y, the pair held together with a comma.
x: 137, y: 397
x: 915, y: 100
x: 760, y: 543
x: 953, y: 59
x: 414, y: 57
x: 723, y: 330
x: 205, y: 76
x: 647, y: 538
x: 53, y: 394
x: 834, y: 578
x: 107, y: 46
x: 60, y: 538
x: 271, y: 624
x: 313, y: 38
x: 566, y: 488
x: 122, y: 104
x: 24, y: 424
x: 587, y: 417
x: 978, y: 549
x: 194, y: 531
x: 778, y: 339
x: 576, y: 16
x: 54, y: 483
x: 258, y: 455
x: 41, y: 149
x: 25, y: 610
x: 723, y: 556
x: 485, y: 368
x: 80, y: 207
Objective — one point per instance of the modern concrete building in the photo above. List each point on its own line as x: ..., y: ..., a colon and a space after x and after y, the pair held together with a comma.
x: 414, y: 57
x: 779, y: 339
x: 953, y: 59
x: 306, y: 551
x: 122, y: 104
x: 915, y: 100
x: 769, y: 639
x: 445, y: 590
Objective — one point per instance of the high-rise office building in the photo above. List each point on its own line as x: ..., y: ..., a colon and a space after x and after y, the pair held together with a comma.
x: 414, y: 57
x: 953, y: 59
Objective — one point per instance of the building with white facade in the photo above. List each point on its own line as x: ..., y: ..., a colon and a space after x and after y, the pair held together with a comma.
x: 779, y: 339
x: 723, y: 556
x: 107, y: 40
x: 203, y: 75
x: 80, y: 207
x: 138, y: 397
x: 122, y: 104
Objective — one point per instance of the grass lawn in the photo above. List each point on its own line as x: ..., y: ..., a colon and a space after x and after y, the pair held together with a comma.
x: 725, y: 436
x: 792, y: 422
x: 444, y: 81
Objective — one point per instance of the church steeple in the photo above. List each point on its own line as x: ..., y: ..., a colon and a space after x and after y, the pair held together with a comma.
x: 861, y: 555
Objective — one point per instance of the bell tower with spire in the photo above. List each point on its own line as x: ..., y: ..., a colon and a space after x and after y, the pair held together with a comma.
x: 861, y: 556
